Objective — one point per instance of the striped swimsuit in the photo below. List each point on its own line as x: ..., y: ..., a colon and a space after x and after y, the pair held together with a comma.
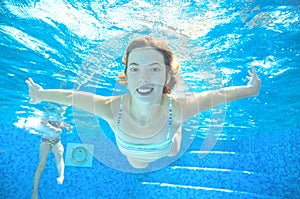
x: 145, y: 152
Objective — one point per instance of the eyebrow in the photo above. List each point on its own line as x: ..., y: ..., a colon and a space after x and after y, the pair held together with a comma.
x: 152, y: 64
x: 135, y: 64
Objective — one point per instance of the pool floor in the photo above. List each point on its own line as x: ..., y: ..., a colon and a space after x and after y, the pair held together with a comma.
x: 260, y: 166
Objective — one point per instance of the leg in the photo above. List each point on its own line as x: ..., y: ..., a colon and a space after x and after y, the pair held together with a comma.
x: 58, y: 151
x: 176, y: 143
x: 44, y: 151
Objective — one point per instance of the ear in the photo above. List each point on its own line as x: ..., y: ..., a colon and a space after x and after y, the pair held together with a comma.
x: 122, y: 78
x: 168, y: 76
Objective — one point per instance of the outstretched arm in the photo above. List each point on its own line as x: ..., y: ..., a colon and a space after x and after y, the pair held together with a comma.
x: 205, y: 100
x: 236, y: 92
x: 89, y: 102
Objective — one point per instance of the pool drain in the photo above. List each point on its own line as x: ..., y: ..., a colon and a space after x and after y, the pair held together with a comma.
x: 79, y: 155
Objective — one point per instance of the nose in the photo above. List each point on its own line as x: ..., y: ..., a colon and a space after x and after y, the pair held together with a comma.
x: 143, y: 76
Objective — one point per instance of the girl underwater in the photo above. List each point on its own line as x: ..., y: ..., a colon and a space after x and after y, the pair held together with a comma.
x: 146, y: 121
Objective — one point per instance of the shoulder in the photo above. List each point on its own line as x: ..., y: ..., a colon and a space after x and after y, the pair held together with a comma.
x: 111, y: 107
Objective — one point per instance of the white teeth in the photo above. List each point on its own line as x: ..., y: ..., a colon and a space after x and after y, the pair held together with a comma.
x: 144, y: 90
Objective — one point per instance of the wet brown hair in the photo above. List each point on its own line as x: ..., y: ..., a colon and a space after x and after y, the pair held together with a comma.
x: 170, y: 62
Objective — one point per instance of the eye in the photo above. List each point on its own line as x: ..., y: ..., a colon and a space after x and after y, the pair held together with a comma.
x: 133, y: 69
x: 155, y: 69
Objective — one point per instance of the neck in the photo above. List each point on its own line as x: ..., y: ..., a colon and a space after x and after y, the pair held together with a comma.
x: 142, y: 112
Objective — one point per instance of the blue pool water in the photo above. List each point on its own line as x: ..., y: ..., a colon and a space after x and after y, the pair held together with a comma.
x: 79, y: 44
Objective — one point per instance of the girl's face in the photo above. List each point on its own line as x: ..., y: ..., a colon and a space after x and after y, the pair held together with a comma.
x: 146, y: 74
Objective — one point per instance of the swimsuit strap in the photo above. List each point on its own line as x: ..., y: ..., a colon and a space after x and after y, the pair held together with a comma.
x: 170, y: 117
x: 119, y: 114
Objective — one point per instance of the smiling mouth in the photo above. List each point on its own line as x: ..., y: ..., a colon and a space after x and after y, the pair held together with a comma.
x: 144, y: 91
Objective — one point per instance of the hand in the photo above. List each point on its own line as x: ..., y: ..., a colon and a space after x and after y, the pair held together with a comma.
x: 254, y: 81
x: 53, y: 129
x: 67, y: 126
x: 34, y: 91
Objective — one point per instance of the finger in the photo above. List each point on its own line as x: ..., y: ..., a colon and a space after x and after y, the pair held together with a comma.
x: 253, y: 70
x: 28, y: 83
x: 31, y: 80
x: 32, y: 101
x: 249, y: 72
